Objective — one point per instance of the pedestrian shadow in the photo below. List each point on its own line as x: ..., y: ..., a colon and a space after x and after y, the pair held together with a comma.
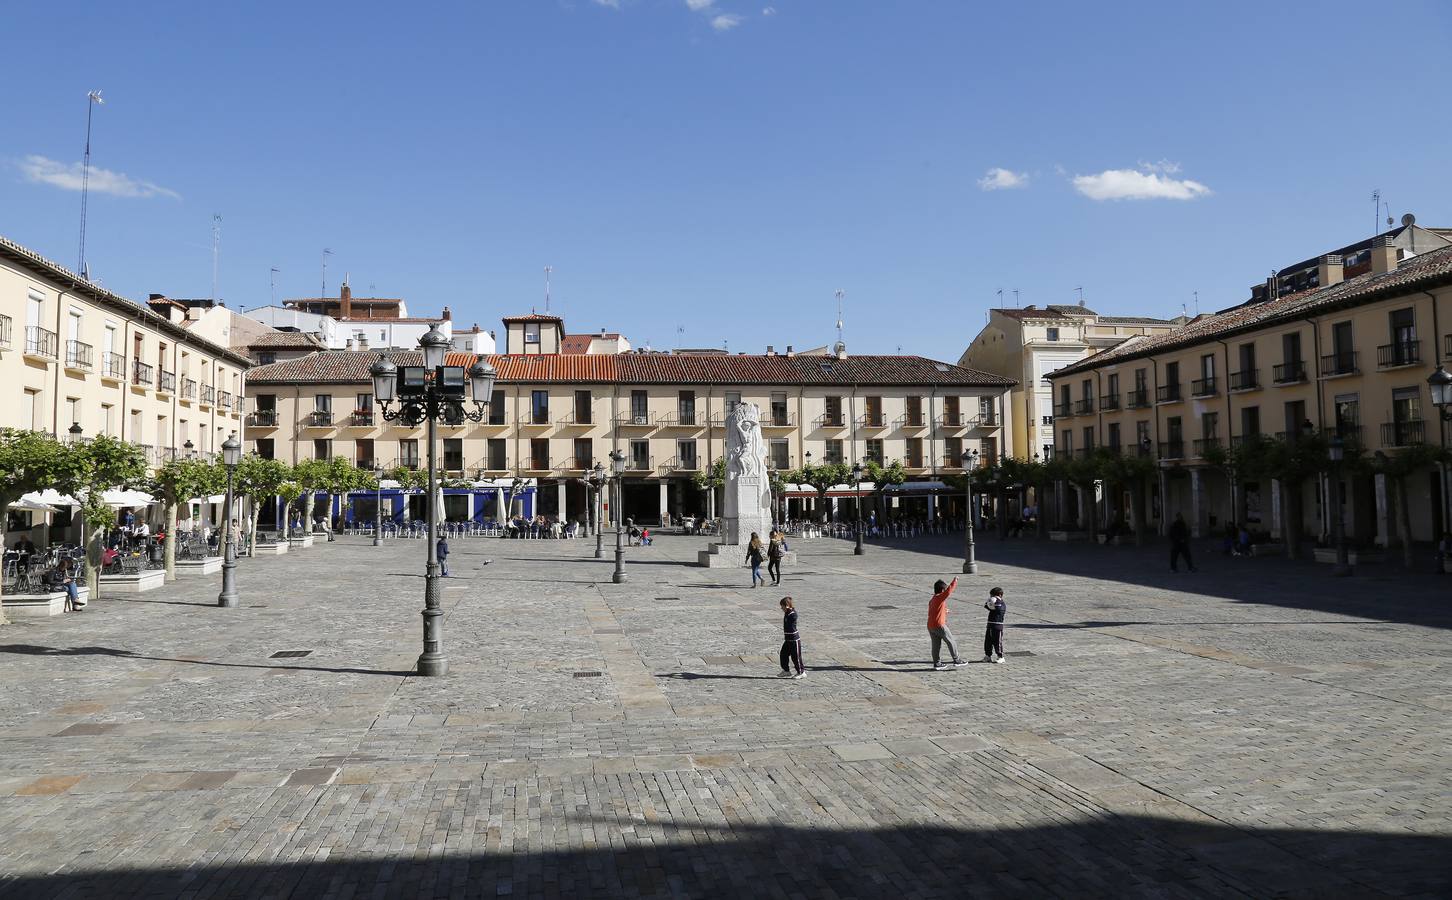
x: 39, y: 650
x: 904, y: 666
x: 164, y: 602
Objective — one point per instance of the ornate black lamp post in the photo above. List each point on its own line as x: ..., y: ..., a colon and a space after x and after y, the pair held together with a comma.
x: 231, y: 455
x: 426, y: 394
x: 1337, y: 452
x: 378, y: 506
x: 597, y: 480
x: 1440, y: 383
x: 857, y: 500
x: 617, y: 466
x: 970, y: 562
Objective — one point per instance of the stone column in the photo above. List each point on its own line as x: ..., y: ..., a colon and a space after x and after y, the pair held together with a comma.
x: 1383, y: 518
x: 1198, y: 513
x: 1165, y: 516
x: 1060, y: 506
x: 1081, y: 521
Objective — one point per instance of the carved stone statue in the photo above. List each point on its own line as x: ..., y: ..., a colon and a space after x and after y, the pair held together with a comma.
x: 748, y: 490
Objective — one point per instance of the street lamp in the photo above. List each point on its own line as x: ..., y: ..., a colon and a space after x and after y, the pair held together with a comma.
x: 1440, y: 383
x: 231, y: 455
x: 857, y: 501
x: 378, y: 506
x: 190, y: 448
x: 1337, y: 451
x: 617, y: 466
x: 426, y: 394
x: 598, y: 479
x: 970, y: 563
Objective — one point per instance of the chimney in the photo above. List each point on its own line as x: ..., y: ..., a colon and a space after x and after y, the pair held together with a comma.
x: 345, y: 298
x: 770, y: 350
x: 1273, y: 286
x: 1383, y: 255
x: 448, y: 316
x: 350, y: 344
x: 790, y: 351
x: 1328, y: 270
x: 362, y: 341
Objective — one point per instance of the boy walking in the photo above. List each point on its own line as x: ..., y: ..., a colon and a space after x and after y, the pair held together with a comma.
x: 938, y: 624
x: 993, y: 637
x: 441, y: 550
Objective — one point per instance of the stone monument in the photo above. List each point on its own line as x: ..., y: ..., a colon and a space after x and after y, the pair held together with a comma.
x: 748, y: 490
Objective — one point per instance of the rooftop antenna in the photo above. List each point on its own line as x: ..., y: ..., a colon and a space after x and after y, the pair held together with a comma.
x: 1000, y: 296
x: 680, y: 336
x: 93, y: 99
x: 840, y: 295
x: 326, y: 253
x: 1197, y: 303
x: 548, y: 270
x: 1015, y: 298
x: 272, y: 283
x: 1376, y: 212
x: 216, y: 249
x: 1081, y: 295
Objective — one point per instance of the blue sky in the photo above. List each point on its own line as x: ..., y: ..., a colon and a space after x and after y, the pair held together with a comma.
x: 726, y: 166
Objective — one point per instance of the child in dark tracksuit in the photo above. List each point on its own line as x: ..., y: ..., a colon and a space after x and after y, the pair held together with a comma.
x: 791, y: 644
x: 993, y: 637
x: 441, y: 550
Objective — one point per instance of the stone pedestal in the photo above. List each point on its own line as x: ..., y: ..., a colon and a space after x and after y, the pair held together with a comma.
x: 748, y: 491
x: 211, y: 565
x: 141, y: 582
x: 276, y: 549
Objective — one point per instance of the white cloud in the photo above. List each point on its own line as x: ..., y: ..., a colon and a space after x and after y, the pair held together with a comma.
x: 769, y: 11
x: 612, y: 4
x: 1150, y: 181
x: 725, y: 22
x: 67, y: 176
x: 699, y: 5
x: 1003, y: 179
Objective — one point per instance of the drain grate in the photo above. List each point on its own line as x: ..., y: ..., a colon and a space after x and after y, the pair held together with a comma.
x: 882, y: 607
x: 659, y: 599
x: 588, y: 674
x: 289, y: 654
x: 1019, y: 653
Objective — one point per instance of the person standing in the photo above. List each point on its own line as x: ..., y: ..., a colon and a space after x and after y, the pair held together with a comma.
x: 791, y: 644
x: 774, y: 553
x: 993, y: 637
x: 754, y: 554
x: 441, y: 550
x: 938, y: 624
x: 1180, y: 543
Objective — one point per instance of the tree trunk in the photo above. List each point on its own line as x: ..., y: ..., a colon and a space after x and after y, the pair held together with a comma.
x: 1092, y: 510
x: 308, y: 502
x: 1404, y: 518
x: 1136, y: 497
x: 1292, y: 493
x: 6, y: 500
x: 168, y: 550
x: 252, y: 530
x: 95, y: 540
x: 1041, y: 521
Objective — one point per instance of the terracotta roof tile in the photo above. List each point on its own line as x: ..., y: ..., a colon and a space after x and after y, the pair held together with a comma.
x: 534, y: 317
x: 285, y: 339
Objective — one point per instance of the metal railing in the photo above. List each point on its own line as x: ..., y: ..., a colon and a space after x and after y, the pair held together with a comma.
x: 79, y: 355
x: 1203, y: 444
x: 40, y: 342
x: 778, y: 463
x: 1203, y: 387
x: 831, y: 420
x: 1084, y: 407
x: 141, y: 373
x: 1350, y: 434
x: 953, y: 420
x: 263, y: 418
x: 1404, y: 433
x: 1401, y: 353
x: 645, y: 420
x: 1167, y: 393
x: 953, y: 461
x: 406, y: 462
x: 872, y: 420
x: 576, y: 464
x: 1063, y: 410
x: 6, y: 328
x: 113, y: 365
x: 640, y: 464
x: 1137, y: 399
x: 189, y: 389
x: 224, y: 399
x: 209, y: 393
x: 1289, y: 372
x: 680, y: 420
x: 1172, y: 449
x: 319, y: 418
x: 1342, y: 363
x: 480, y: 466
x: 1109, y: 402
x: 362, y: 418
x: 682, y: 464
x: 913, y: 462
x: 911, y: 420
x: 1245, y: 380
x: 572, y: 418
x: 779, y: 420
x: 166, y: 382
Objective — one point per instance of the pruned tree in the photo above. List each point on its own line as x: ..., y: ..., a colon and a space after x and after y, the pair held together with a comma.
x: 257, y: 479
x: 710, y: 480
x: 177, y: 482
x: 288, y: 492
x: 89, y: 470
x: 1397, y: 468
x: 29, y: 461
x: 822, y: 478
x: 882, y: 478
x: 312, y: 476
x: 1291, y: 462
x: 1131, y: 471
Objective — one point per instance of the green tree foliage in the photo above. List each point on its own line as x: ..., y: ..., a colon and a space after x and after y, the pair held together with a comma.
x: 712, y: 478
x: 175, y: 483
x: 29, y: 461
x: 882, y: 478
x: 1134, y: 472
x: 89, y: 470
x: 257, y: 479
x: 1397, y: 468
x: 289, y: 491
x: 822, y: 478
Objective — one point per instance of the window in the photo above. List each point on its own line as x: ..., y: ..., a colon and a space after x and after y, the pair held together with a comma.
x: 496, y: 408
x: 1207, y: 365
x: 1052, y: 334
x: 1403, y: 338
x: 873, y: 418
x: 35, y: 310
x: 1406, y: 405
x: 953, y: 452
x: 1113, y: 384
x: 1348, y: 415
x: 778, y: 408
x: 686, y: 453
x: 584, y: 453
x: 733, y: 399
x: 1066, y: 403
x: 1296, y: 418
x: 453, y: 454
x: 834, y: 451
x: 322, y: 448
x: 640, y: 455
x: 780, y: 458
x: 986, y: 412
x: 539, y: 407
x: 686, y: 407
x: 265, y: 357
x: 1174, y: 430
x: 265, y: 448
x: 323, y: 403
x: 539, y: 453
x: 496, y: 460
x: 1142, y: 434
x: 582, y: 408
x: 833, y: 415
x: 1141, y: 379
x: 363, y: 403
x: 1250, y: 422
x: 1291, y: 347
x: 1112, y: 438
x: 1210, y: 426
x: 914, y: 410
x: 915, y: 452
x: 1086, y: 389
x: 408, y: 453
x: 1088, y: 438
x: 874, y: 450
x: 1066, y: 441
x: 639, y: 407
x: 108, y: 420
x: 531, y: 333
x: 363, y: 453
x: 1172, y: 380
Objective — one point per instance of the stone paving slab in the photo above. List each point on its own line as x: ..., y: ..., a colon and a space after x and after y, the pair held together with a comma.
x: 1255, y: 729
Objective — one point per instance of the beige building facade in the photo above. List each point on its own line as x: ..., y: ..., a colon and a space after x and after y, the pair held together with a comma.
x: 1026, y: 344
x: 1349, y: 357
x: 74, y: 354
x: 555, y: 415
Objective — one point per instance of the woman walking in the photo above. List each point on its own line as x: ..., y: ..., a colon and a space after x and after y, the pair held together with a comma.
x: 791, y: 644
x: 775, y: 549
x: 754, y: 554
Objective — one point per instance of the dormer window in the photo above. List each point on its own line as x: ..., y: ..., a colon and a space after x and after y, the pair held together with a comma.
x: 531, y: 333
x: 1053, y: 334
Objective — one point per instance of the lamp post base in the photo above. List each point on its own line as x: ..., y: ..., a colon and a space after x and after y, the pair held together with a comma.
x: 228, y: 602
x: 432, y: 665
x: 970, y: 567
x: 618, y: 577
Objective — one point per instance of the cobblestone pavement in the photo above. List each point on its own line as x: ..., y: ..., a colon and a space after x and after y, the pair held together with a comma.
x: 1257, y: 728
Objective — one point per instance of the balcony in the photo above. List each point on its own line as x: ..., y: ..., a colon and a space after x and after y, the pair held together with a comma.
x: 682, y: 420
x: 1349, y: 434
x: 39, y: 342
x: 319, y: 418
x: 778, y: 462
x: 6, y: 328
x: 913, y: 462
x: 1084, y: 407
x: 1063, y: 410
x: 364, y: 463
x: 361, y: 418
x: 985, y: 420
x: 1404, y: 433
x: 113, y: 366
x: 571, y: 419
x: 1342, y: 363
x: 634, y: 420
x: 952, y: 461
x: 779, y: 419
x: 1137, y: 399
x: 1172, y: 449
x: 405, y: 462
x: 496, y: 465
x: 1289, y: 372
x: 224, y: 400
x: 1245, y: 380
x: 638, y: 464
x: 682, y: 464
x: 189, y: 389
x: 166, y: 382
x: 142, y: 375
x: 1401, y: 353
x: 1204, y: 387
x: 263, y: 418
x: 576, y: 464
x: 239, y: 404
x: 832, y: 420
x: 872, y: 420
x: 80, y: 356
x: 1168, y: 393
x: 1242, y: 440
x: 1109, y: 402
x: 1204, y: 444
x: 953, y: 420
x: 209, y: 395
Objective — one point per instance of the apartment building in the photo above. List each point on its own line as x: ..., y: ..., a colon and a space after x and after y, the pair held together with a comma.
x: 1349, y: 356
x: 554, y: 415
x: 73, y: 353
x: 1027, y: 343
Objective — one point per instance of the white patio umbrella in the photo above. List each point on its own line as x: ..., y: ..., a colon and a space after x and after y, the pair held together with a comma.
x: 120, y: 497
x: 25, y: 504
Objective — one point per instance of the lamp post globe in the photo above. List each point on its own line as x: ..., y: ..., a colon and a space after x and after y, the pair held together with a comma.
x: 231, y: 455
x: 617, y: 467
x: 435, y: 346
x: 1440, y: 383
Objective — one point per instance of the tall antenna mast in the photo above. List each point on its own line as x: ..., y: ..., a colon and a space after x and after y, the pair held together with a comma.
x: 1197, y: 303
x: 840, y: 295
x: 680, y: 336
x: 272, y: 284
x: 1015, y: 298
x: 1376, y: 212
x: 548, y: 270
x: 1081, y: 295
x: 216, y: 249
x: 92, y: 99
x: 1000, y: 296
x: 326, y: 253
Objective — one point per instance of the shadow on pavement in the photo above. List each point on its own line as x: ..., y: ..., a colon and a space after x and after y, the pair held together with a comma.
x: 37, y: 650
x: 1102, y: 856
